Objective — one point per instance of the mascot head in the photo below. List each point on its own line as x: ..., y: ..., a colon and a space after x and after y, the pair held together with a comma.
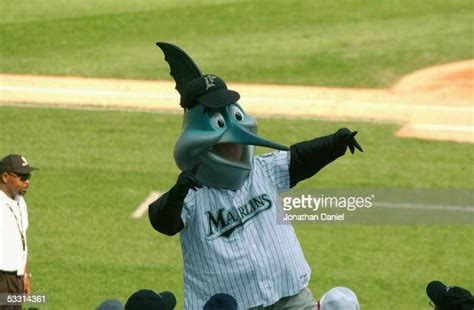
x: 218, y: 139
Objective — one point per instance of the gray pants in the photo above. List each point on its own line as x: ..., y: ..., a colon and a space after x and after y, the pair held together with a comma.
x: 304, y: 300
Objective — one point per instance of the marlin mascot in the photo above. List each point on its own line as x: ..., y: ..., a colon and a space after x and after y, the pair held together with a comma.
x: 218, y: 138
x: 224, y: 188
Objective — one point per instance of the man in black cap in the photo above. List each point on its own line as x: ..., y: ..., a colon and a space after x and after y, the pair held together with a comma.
x: 150, y: 300
x: 15, y: 173
x: 449, y: 297
x: 221, y: 302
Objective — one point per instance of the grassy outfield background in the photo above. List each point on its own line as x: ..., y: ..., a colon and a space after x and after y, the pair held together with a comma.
x: 334, y: 43
x: 97, y: 166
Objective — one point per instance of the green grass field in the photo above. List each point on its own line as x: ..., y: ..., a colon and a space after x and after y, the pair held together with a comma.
x: 334, y: 43
x: 97, y: 166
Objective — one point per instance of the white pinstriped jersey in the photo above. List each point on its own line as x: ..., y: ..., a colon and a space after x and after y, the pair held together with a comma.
x: 232, y: 243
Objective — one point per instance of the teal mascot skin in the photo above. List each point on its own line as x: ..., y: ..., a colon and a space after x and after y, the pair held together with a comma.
x: 218, y: 139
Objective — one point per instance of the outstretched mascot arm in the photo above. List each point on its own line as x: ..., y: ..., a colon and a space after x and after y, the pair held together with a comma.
x: 165, y: 212
x: 308, y: 157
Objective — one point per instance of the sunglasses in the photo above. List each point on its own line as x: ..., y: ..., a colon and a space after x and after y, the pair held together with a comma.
x: 22, y: 176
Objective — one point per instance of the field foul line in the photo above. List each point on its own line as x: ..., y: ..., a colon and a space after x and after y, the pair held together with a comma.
x: 143, y: 207
x: 411, y: 206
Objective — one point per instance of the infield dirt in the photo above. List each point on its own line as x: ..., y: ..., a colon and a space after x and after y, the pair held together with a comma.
x: 433, y: 103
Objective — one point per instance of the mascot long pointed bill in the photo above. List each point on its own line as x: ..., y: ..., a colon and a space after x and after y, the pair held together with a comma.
x: 218, y: 139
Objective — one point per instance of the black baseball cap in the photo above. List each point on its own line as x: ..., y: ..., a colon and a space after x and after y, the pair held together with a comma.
x: 150, y: 300
x: 221, y: 302
x: 208, y: 90
x: 15, y: 163
x: 449, y: 297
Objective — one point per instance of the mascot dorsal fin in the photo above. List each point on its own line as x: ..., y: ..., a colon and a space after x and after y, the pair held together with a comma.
x: 182, y: 67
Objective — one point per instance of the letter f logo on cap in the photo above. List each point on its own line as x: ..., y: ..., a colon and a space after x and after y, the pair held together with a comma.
x: 209, y: 81
x: 24, y: 162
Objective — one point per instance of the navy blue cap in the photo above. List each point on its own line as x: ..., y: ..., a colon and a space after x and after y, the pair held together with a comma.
x: 221, y: 302
x: 150, y: 300
x: 110, y: 304
x: 449, y: 297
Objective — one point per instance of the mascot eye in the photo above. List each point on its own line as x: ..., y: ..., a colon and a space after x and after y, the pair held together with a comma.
x: 238, y: 116
x: 237, y: 112
x: 217, y: 120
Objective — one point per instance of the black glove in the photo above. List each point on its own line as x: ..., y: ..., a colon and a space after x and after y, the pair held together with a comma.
x: 186, y: 181
x: 165, y: 212
x: 308, y: 157
x: 344, y: 138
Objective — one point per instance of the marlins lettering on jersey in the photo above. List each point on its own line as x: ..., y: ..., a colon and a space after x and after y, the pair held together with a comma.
x: 225, y: 221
